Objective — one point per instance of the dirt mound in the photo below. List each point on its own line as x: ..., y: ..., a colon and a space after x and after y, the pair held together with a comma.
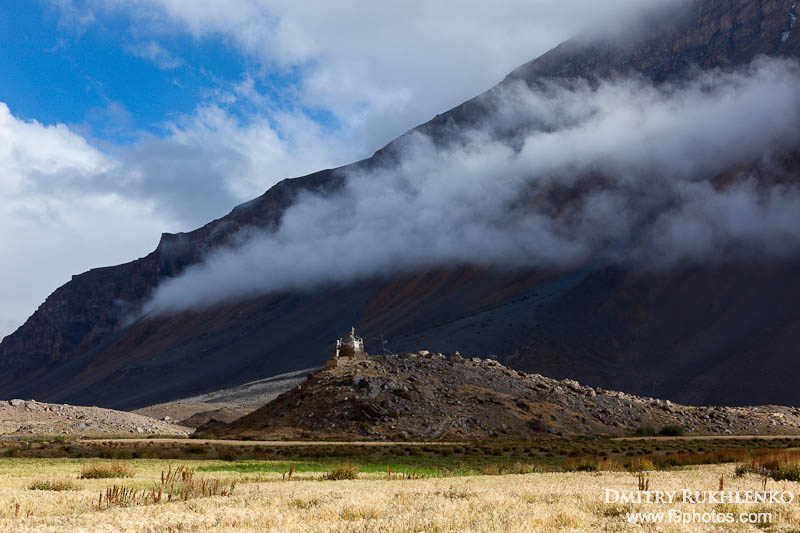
x: 430, y: 396
x: 21, y: 417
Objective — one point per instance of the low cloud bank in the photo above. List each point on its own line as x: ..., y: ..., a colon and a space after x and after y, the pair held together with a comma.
x: 618, y: 172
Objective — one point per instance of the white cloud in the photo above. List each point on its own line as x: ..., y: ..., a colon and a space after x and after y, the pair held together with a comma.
x: 384, y: 67
x: 21, y: 152
x: 51, y: 226
x: 210, y: 161
x: 156, y: 54
x: 640, y: 158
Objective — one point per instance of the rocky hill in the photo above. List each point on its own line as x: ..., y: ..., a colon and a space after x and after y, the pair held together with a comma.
x: 21, y: 418
x: 432, y: 396
x: 694, y: 334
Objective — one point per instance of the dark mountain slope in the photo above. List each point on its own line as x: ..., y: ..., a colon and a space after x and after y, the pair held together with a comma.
x: 610, y: 328
x: 700, y: 336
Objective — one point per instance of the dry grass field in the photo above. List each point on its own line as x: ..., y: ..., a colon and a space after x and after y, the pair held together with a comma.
x: 268, y: 501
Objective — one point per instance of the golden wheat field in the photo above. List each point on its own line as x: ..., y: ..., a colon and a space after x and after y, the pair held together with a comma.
x: 308, y: 502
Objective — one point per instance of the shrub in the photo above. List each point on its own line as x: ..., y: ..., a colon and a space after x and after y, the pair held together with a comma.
x: 582, y: 464
x: 780, y: 467
x: 524, y: 468
x: 344, y: 470
x: 587, y: 466
x: 671, y: 431
x: 105, y: 471
x: 176, y: 485
x: 195, y: 450
x: 641, y: 464
x: 306, y: 504
x: 609, y: 465
x: 491, y: 469
x: 645, y: 431
x: 227, y: 454
x: 58, y: 485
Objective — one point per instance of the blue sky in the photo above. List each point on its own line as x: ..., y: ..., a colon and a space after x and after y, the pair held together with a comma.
x: 123, y: 119
x: 103, y: 79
